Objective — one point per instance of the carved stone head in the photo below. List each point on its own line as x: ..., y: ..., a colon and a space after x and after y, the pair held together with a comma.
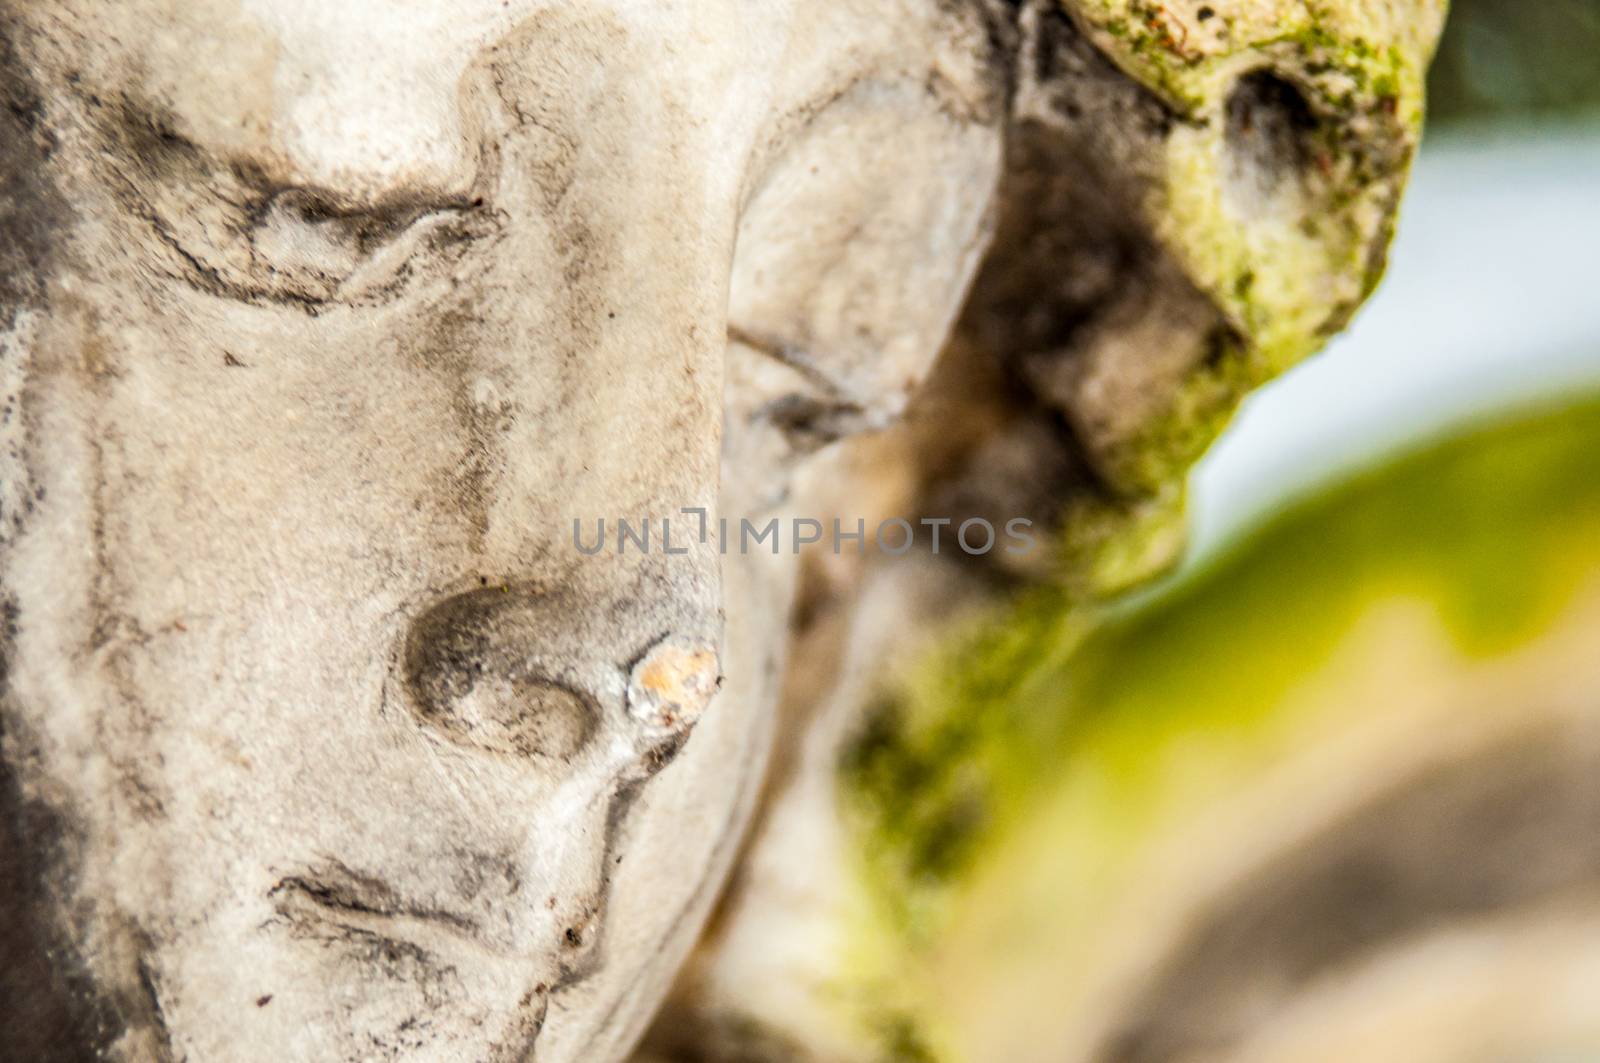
x: 324, y: 323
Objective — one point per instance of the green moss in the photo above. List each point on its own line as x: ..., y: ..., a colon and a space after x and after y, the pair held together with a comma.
x: 1110, y: 546
x: 1062, y: 712
x: 968, y: 753
x: 1286, y: 271
x: 1365, y: 49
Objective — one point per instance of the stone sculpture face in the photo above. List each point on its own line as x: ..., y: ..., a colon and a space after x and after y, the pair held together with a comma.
x: 339, y: 317
x: 323, y: 324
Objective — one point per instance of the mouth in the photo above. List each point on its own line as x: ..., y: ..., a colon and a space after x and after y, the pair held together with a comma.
x: 399, y: 956
x: 333, y: 901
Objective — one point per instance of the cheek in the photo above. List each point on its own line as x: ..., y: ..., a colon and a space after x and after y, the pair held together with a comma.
x: 856, y: 248
x: 250, y: 452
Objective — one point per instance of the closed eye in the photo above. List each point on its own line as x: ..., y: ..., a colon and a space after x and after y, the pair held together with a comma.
x: 309, y: 249
x: 224, y: 227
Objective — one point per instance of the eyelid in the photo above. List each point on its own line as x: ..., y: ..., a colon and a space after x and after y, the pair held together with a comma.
x: 331, y: 254
x: 382, y: 266
x: 234, y: 229
x: 298, y: 247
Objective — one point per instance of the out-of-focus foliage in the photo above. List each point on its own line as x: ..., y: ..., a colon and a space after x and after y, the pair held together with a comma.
x: 1501, y: 58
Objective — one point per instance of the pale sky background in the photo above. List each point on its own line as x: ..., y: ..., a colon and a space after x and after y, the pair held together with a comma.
x: 1492, y: 298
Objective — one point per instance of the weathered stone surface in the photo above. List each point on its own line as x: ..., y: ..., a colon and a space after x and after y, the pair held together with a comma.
x: 325, y: 323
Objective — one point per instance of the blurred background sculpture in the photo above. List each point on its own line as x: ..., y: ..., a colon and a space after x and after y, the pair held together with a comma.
x: 1328, y: 793
x: 324, y: 325
x: 1332, y: 794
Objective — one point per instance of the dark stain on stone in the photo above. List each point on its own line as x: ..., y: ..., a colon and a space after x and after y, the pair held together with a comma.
x: 51, y: 1010
x: 445, y: 345
x: 33, y: 214
x: 516, y: 1043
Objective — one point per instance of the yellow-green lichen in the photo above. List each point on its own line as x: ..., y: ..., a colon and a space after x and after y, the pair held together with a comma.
x: 1286, y: 264
x: 1189, y: 51
x: 965, y: 758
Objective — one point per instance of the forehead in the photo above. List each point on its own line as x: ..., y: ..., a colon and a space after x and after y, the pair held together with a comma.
x: 369, y: 95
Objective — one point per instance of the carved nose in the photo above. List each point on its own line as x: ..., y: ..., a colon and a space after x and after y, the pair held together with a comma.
x: 522, y: 672
x: 475, y: 672
x: 584, y: 690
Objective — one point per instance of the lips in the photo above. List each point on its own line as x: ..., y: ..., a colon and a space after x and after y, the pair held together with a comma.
x: 333, y: 901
